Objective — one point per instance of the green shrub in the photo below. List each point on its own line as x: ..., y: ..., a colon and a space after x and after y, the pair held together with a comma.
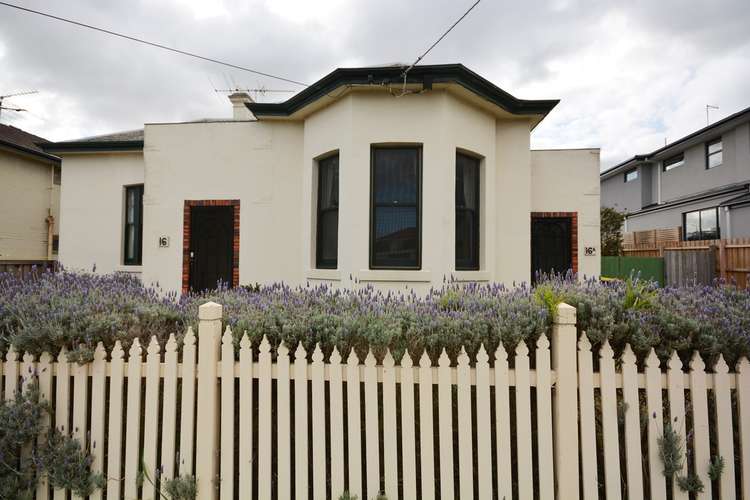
x: 59, y: 457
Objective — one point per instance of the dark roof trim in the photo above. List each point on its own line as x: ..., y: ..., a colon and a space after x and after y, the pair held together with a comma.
x: 743, y: 199
x: 425, y: 75
x: 86, y: 146
x: 649, y: 156
x: 30, y: 151
x: 705, y: 195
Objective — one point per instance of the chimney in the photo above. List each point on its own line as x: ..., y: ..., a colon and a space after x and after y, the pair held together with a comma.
x: 239, y: 110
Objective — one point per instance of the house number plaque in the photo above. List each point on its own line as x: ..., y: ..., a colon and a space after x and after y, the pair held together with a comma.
x: 589, y: 251
x: 163, y: 241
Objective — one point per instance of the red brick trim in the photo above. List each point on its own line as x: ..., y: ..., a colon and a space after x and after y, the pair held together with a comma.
x: 573, y: 229
x: 186, y: 238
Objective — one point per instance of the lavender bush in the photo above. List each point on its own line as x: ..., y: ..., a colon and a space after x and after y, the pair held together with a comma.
x: 78, y: 310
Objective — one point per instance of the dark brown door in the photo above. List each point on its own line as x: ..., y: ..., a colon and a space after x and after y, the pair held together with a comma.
x: 211, y: 249
x: 550, y: 245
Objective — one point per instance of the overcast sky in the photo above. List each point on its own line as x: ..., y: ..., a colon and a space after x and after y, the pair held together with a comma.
x: 630, y: 74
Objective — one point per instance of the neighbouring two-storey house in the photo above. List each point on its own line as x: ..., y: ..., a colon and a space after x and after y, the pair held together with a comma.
x: 698, y: 183
x: 29, y: 198
x: 364, y: 177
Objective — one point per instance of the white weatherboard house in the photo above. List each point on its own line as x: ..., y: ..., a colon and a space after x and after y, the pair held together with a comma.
x: 357, y: 179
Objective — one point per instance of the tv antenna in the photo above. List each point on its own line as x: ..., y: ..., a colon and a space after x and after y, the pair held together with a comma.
x: 260, y: 91
x: 14, y: 94
x: 709, y: 106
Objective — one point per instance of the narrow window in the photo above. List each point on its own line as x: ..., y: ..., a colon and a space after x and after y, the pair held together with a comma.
x: 395, y: 208
x: 714, y: 153
x: 631, y: 175
x: 55, y: 244
x: 701, y: 225
x: 56, y: 175
x: 133, y: 225
x: 327, y: 247
x: 467, y: 212
x: 674, y: 162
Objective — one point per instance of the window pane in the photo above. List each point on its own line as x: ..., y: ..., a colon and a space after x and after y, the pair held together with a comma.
x: 715, y: 159
x: 467, y: 212
x: 692, y: 226
x: 631, y: 175
x: 709, y: 224
x: 396, y: 176
x: 328, y: 213
x: 396, y: 237
x: 714, y: 147
x: 395, y: 211
x: 674, y: 162
x: 133, y: 225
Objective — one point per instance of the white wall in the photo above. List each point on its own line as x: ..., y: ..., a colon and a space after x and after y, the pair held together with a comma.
x: 568, y: 181
x: 27, y: 197
x: 92, y: 206
x: 258, y: 163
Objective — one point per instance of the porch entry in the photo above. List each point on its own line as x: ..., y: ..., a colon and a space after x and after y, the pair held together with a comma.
x: 553, y: 243
x: 211, y: 244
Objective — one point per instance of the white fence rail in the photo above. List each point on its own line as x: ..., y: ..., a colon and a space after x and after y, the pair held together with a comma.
x: 274, y: 425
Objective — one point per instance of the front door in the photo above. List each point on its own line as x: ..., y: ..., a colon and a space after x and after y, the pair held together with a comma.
x: 551, y: 249
x: 211, y: 250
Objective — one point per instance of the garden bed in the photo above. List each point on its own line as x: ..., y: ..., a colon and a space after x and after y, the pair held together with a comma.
x: 78, y: 310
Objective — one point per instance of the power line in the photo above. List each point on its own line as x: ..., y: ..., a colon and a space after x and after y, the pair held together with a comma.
x: 438, y: 40
x: 152, y: 44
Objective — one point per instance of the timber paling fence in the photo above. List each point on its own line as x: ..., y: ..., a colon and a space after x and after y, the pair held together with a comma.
x: 292, y: 426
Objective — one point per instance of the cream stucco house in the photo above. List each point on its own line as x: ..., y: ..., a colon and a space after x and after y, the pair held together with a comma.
x: 357, y: 179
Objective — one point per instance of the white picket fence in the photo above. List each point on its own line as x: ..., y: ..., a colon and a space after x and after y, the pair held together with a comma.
x: 285, y: 428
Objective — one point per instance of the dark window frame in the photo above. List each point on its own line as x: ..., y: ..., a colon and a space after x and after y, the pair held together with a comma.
x: 700, y: 224
x: 718, y: 140
x: 419, y: 149
x: 321, y: 263
x: 630, y: 171
x: 137, y: 259
x: 670, y: 163
x: 474, y: 263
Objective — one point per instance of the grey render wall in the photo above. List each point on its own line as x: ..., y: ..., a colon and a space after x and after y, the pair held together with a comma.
x: 693, y: 177
x: 672, y: 217
x: 621, y: 195
x: 740, y: 222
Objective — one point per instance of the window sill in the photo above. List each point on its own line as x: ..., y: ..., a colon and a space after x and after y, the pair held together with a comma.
x: 323, y: 274
x: 129, y: 269
x: 368, y: 275
x: 469, y: 276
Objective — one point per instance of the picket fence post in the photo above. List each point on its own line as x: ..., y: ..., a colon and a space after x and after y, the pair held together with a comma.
x: 564, y: 355
x: 207, y: 439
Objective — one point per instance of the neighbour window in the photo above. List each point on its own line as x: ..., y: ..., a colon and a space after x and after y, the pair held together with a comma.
x: 674, y: 162
x: 701, y: 224
x: 395, y: 210
x: 328, y: 213
x: 133, y: 225
x: 467, y: 212
x: 55, y: 244
x: 714, y: 153
x: 56, y: 175
x: 631, y: 175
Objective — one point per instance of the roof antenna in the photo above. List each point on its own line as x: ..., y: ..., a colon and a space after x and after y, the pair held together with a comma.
x: 403, y: 75
x: 15, y: 94
x: 709, y: 106
x: 259, y: 91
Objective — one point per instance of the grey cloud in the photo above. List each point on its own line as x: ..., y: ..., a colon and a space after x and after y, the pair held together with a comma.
x: 628, y: 73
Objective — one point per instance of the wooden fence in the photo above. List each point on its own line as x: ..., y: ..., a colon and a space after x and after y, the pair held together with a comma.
x: 732, y: 261
x: 25, y: 268
x: 273, y: 425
